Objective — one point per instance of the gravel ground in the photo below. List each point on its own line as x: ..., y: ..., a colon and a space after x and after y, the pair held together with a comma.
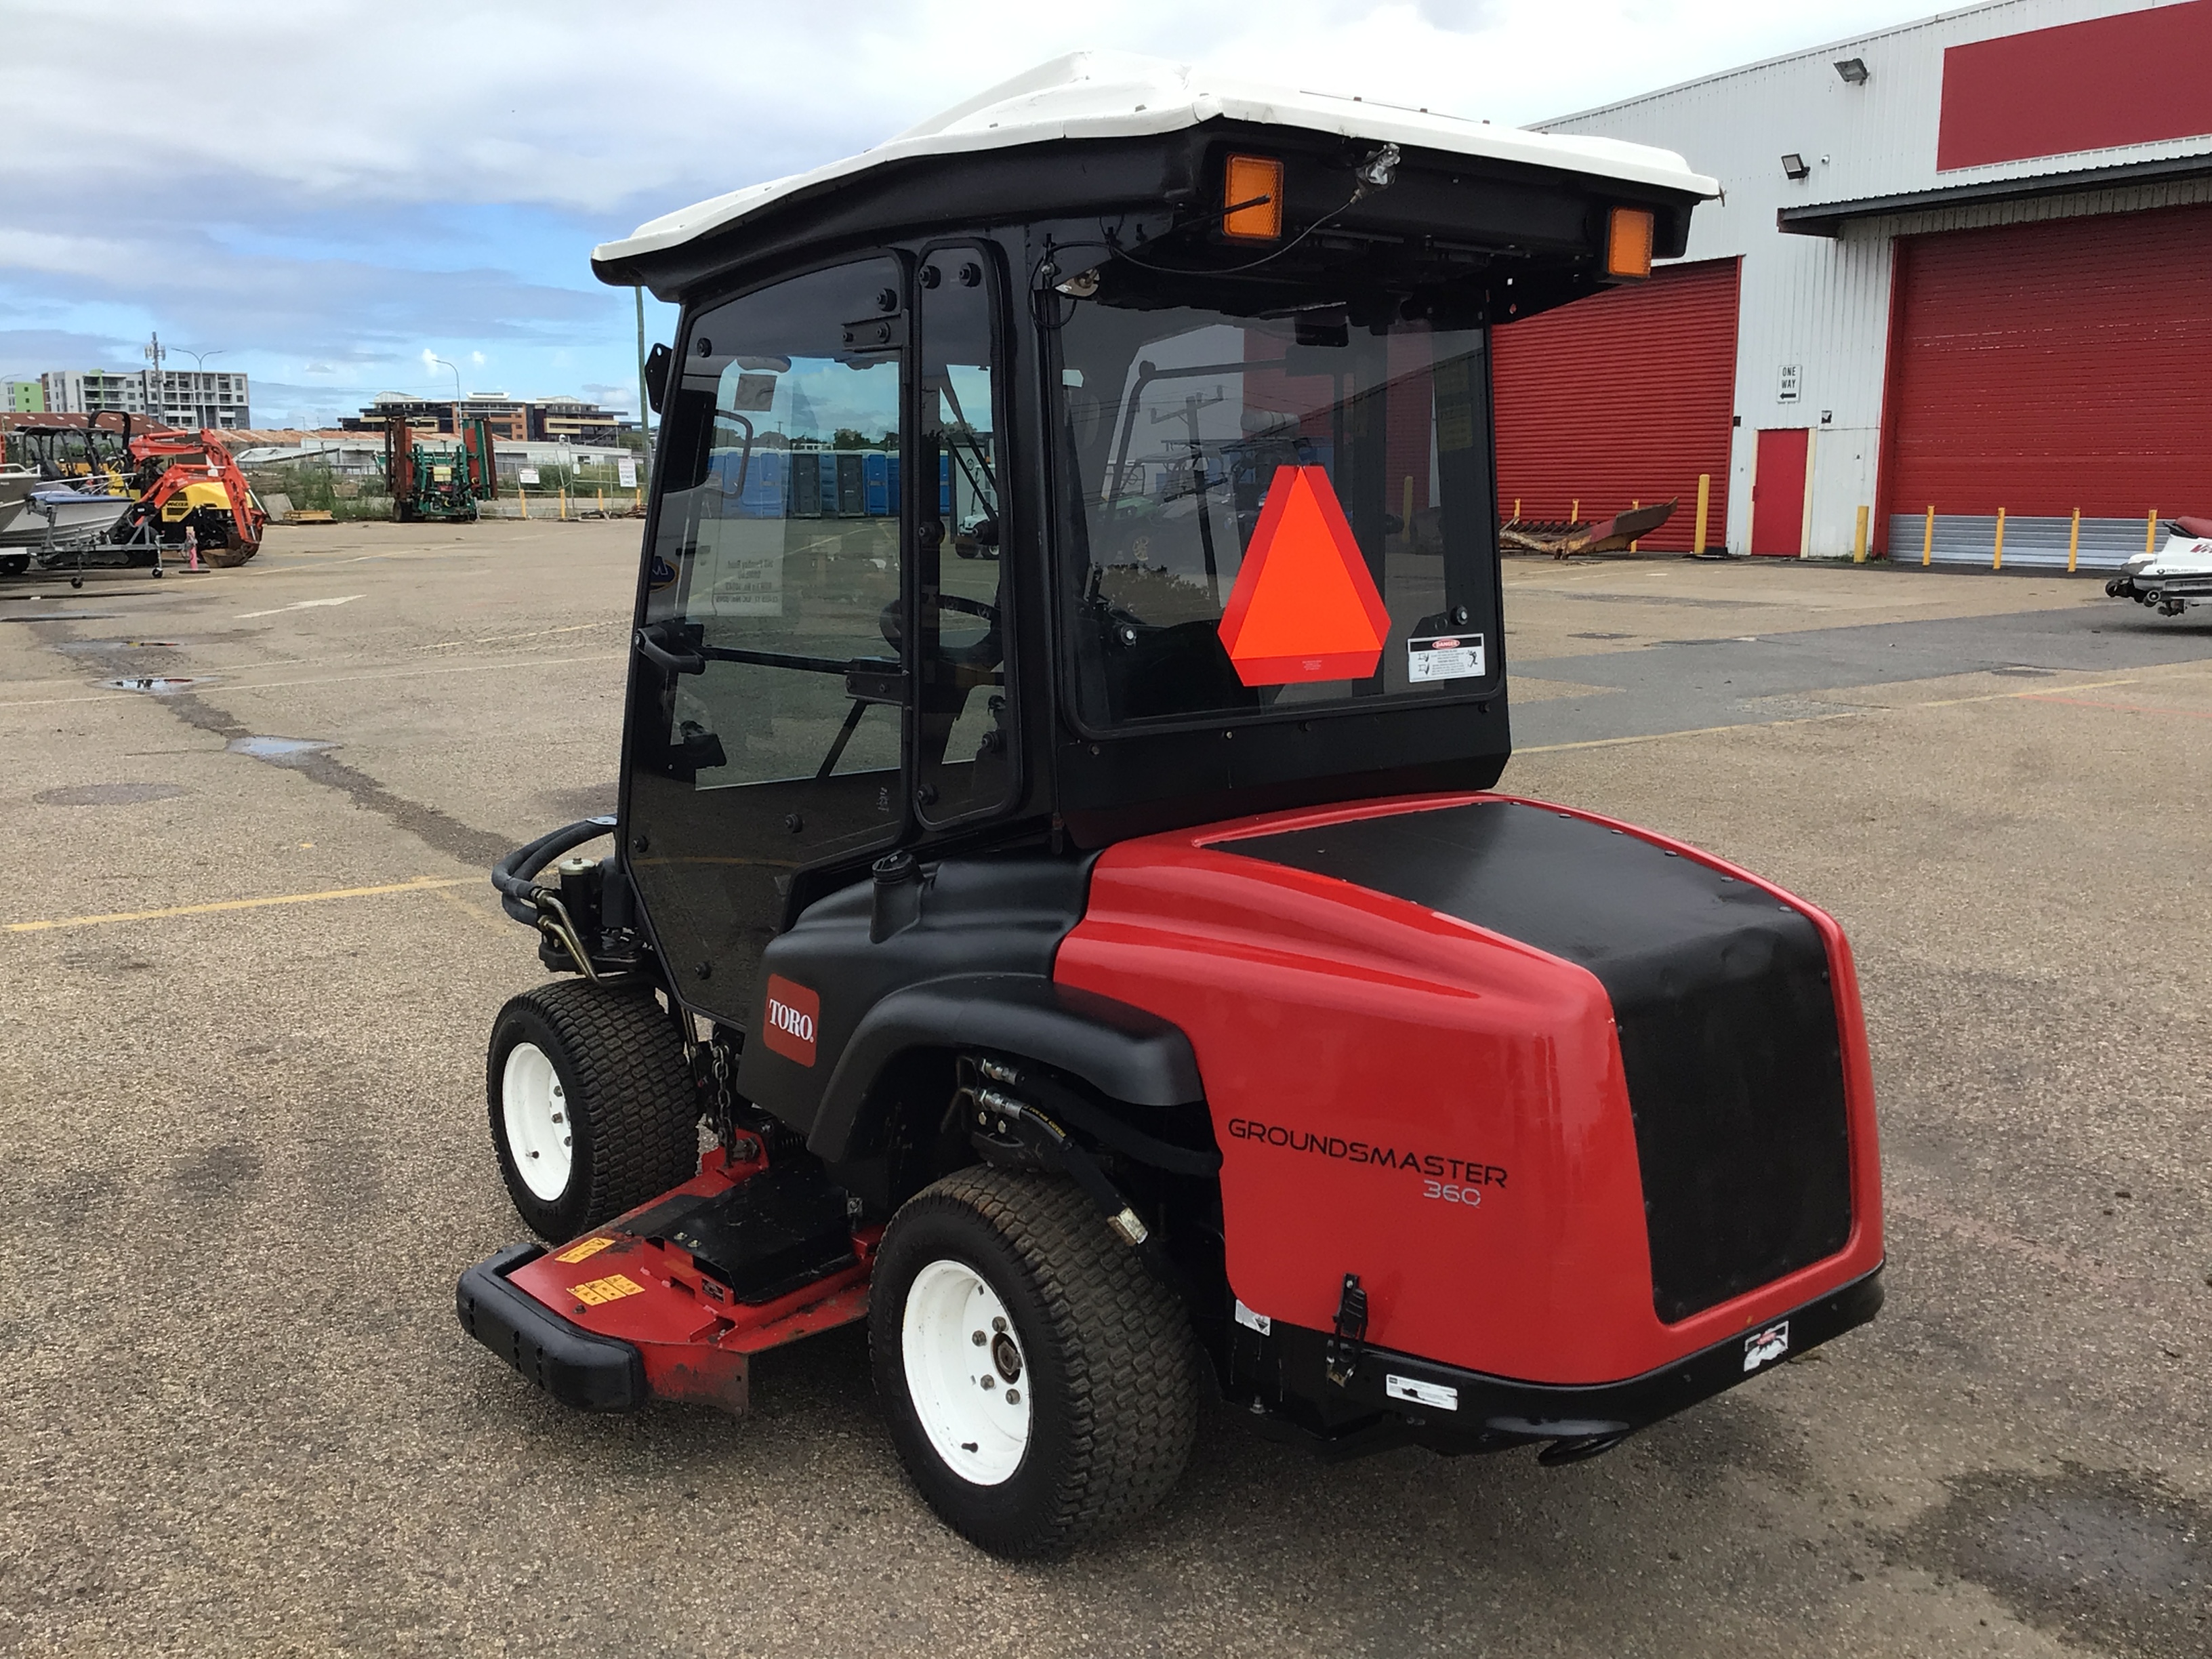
x: 246, y: 1158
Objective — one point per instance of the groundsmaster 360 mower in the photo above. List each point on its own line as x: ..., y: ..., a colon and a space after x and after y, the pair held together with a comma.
x: 1101, y: 965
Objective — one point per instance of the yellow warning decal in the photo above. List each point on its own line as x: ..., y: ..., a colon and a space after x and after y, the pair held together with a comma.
x: 576, y: 1253
x: 612, y: 1288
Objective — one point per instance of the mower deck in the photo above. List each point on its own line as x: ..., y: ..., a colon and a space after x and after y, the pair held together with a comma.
x: 671, y: 1301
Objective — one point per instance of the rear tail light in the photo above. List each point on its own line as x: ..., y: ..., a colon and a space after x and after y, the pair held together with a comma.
x: 1628, y: 242
x: 1252, y: 198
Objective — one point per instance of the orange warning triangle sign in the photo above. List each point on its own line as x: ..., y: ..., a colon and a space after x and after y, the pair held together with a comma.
x: 1304, y: 606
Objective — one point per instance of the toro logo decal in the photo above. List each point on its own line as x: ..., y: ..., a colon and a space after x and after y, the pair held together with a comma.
x: 1764, y: 1347
x: 788, y: 1022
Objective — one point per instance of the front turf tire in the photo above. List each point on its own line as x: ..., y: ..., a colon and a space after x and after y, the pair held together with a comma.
x: 593, y: 1080
x: 1102, y: 1350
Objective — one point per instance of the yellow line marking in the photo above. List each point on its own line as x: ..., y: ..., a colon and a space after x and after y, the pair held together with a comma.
x: 2000, y: 696
x: 1692, y: 732
x: 420, y: 884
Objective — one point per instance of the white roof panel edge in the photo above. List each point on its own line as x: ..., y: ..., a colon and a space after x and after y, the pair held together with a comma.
x: 1098, y: 95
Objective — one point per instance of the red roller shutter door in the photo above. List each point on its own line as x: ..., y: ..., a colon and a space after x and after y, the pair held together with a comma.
x: 1626, y: 396
x: 2040, y: 367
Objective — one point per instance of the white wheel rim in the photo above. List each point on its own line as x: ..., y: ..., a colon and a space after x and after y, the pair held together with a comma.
x: 539, y: 1135
x: 976, y: 1417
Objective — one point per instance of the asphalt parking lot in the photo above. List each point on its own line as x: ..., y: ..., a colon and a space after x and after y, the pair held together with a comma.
x: 244, y: 986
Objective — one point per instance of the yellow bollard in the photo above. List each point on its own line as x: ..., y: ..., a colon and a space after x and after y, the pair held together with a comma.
x: 2150, y: 534
x: 1633, y: 506
x: 637, y: 501
x: 564, y: 503
x: 523, y: 496
x: 1517, y: 509
x: 1997, y: 561
x: 1704, y: 505
x: 1928, y: 538
x: 1575, y: 512
x: 602, y: 503
x: 2074, y: 542
x: 1858, y: 539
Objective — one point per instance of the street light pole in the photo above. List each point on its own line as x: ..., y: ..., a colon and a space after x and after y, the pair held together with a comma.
x: 199, y: 368
x: 441, y: 362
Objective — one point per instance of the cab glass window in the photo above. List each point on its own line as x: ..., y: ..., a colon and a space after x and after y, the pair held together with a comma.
x: 1354, y: 430
x: 777, y: 559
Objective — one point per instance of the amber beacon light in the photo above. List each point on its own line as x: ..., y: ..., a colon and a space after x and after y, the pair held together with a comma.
x: 1252, y: 198
x: 1628, y: 242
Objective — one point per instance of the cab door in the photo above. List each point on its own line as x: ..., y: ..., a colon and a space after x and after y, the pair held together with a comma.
x: 768, y: 685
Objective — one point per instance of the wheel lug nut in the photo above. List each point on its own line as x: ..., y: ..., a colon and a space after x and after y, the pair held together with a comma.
x: 977, y: 1338
x: 998, y: 1324
x: 557, y: 1118
x: 989, y: 1383
x: 1013, y: 1396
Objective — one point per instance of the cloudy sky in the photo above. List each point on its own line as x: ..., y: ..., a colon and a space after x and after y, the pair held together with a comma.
x: 328, y: 194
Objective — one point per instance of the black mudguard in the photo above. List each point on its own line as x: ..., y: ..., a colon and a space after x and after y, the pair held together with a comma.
x: 958, y: 958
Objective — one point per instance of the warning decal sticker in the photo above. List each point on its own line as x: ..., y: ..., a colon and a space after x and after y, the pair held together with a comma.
x: 613, y: 1288
x: 1304, y: 607
x: 576, y: 1253
x: 1444, y: 657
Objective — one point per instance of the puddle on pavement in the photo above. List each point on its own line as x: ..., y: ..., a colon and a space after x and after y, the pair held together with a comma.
x: 156, y: 684
x: 276, y: 749
x: 107, y: 794
x: 2105, y: 1559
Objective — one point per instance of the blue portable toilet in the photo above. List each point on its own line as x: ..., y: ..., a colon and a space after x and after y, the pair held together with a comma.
x: 876, y: 472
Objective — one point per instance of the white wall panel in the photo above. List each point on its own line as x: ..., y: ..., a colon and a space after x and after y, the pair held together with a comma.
x: 1821, y: 303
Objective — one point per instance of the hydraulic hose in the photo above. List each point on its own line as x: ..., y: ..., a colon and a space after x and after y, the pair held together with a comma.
x: 516, y: 875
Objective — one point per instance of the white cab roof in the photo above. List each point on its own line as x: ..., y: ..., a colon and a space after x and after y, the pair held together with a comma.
x: 1113, y: 95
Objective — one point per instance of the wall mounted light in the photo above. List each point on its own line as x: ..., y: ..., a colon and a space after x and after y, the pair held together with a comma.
x: 1853, y: 69
x: 1793, y: 166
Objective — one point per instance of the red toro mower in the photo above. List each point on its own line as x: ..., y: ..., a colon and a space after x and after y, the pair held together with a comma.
x: 1104, y: 968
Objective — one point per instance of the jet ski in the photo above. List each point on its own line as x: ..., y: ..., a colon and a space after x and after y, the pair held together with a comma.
x: 2173, y: 577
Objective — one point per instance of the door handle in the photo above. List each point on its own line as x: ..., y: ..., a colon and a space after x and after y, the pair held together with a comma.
x: 689, y: 662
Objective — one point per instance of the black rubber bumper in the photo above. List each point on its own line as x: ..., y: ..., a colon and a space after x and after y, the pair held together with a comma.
x: 592, y: 1373
x: 1491, y: 1412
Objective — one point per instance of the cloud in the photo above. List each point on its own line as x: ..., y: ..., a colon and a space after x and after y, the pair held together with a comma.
x: 365, y: 193
x: 611, y: 395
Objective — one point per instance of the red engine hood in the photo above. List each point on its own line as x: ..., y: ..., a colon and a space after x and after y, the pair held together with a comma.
x: 1431, y: 1104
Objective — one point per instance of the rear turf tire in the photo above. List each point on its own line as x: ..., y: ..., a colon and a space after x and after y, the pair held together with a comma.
x: 1102, y: 1351
x: 593, y: 1081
